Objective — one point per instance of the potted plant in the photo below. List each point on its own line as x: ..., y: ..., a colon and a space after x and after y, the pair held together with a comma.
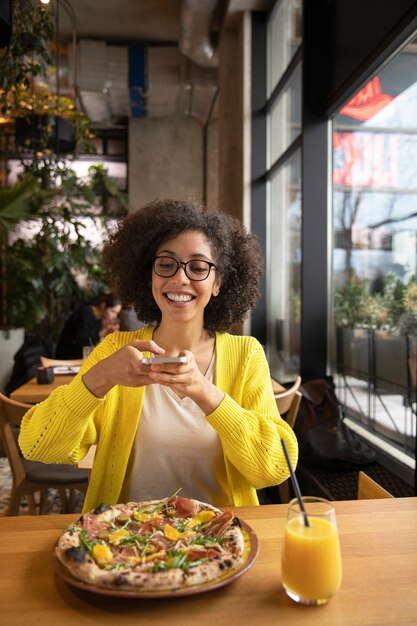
x: 389, y: 346
x: 15, y: 207
x: 408, y: 326
x: 353, y: 340
x: 46, y: 123
x: 58, y: 264
x: 376, y: 333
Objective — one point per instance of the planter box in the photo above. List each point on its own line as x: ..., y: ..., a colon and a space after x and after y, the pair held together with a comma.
x: 412, y: 366
x: 354, y: 352
x: 390, y: 358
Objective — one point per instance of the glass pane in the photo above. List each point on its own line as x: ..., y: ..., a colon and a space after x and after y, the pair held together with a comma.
x: 284, y: 270
x: 375, y: 249
x: 285, y: 117
x: 284, y: 37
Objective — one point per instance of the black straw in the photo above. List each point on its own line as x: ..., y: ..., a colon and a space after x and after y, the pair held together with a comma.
x: 295, y: 483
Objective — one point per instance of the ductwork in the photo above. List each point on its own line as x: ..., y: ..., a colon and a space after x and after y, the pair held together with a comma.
x: 195, y: 38
x: 108, y: 93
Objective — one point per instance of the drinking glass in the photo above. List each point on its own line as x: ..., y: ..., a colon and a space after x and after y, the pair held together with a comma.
x: 87, y: 350
x: 311, y: 561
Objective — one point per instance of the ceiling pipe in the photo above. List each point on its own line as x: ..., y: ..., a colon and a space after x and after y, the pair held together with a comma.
x: 195, y: 37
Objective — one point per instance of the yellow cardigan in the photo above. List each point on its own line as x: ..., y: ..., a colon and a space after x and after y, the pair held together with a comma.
x: 63, y: 427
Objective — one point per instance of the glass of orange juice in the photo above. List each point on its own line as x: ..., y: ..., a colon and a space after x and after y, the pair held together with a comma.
x: 311, y: 561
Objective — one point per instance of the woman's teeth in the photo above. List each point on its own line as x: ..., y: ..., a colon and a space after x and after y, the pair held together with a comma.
x: 176, y: 297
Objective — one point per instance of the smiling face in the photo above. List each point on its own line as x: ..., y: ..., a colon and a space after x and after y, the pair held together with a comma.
x: 178, y: 297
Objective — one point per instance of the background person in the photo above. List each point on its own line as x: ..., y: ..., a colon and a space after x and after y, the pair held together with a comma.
x: 88, y: 325
x: 209, y: 426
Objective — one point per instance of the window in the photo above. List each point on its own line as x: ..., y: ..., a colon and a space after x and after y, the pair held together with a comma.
x: 284, y: 189
x: 284, y: 38
x: 375, y: 251
x: 285, y: 117
x: 284, y: 264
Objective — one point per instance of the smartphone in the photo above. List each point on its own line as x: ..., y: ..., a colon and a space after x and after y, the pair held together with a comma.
x: 164, y: 359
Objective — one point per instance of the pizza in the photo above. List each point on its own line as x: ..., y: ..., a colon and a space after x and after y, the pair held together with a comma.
x: 158, y: 545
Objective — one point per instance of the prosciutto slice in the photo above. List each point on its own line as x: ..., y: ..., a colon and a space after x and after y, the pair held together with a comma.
x: 183, y: 506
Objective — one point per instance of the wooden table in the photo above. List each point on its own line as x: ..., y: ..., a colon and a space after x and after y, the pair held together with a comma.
x: 379, y: 552
x: 32, y: 392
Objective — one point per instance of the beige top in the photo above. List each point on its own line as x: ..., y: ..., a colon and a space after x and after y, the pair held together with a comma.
x: 175, y: 447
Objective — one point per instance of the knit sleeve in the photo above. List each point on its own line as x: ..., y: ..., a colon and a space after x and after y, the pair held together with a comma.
x: 249, y: 425
x: 61, y: 428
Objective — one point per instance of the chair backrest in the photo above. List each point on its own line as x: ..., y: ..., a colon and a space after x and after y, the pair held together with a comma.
x: 288, y: 400
x: 45, y: 362
x: 11, y: 414
x: 369, y: 489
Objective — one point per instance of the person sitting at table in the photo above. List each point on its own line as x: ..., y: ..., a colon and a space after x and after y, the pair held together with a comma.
x: 88, y: 325
x: 209, y: 426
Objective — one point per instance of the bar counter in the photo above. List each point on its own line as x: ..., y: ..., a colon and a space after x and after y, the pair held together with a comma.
x: 379, y: 554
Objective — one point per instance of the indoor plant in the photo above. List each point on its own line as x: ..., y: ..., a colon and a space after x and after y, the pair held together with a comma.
x: 29, y: 49
x: 15, y: 206
x: 45, y: 121
x: 56, y: 264
x: 49, y: 260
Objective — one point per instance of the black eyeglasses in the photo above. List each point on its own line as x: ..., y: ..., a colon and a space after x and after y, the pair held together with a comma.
x: 196, y: 269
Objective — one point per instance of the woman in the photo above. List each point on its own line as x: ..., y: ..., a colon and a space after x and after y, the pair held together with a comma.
x: 209, y: 426
x: 88, y: 325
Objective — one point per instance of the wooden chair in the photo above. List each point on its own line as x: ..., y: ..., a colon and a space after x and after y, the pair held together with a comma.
x: 288, y: 400
x: 30, y: 477
x: 288, y: 403
x: 45, y: 362
x: 369, y: 489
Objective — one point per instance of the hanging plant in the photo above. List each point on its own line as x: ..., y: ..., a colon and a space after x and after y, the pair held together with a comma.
x: 29, y: 49
x: 45, y: 121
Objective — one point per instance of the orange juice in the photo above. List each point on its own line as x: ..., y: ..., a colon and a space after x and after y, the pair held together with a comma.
x: 311, y: 563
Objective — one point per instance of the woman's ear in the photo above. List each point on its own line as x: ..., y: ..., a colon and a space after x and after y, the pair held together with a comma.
x: 216, y: 288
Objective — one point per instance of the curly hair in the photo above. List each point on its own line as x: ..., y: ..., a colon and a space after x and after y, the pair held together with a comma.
x: 130, y: 252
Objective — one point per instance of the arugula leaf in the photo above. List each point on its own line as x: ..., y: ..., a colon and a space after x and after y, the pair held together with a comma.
x: 86, y: 541
x: 195, y: 563
x: 204, y: 540
x: 135, y: 540
x: 72, y: 528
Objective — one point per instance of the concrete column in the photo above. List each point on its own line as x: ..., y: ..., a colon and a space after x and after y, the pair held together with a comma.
x: 234, y: 117
x: 165, y: 159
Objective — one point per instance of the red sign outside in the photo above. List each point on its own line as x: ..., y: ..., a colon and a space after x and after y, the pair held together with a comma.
x: 367, y: 102
x: 366, y: 158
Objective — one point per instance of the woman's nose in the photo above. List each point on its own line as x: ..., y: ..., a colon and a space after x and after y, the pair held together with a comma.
x: 180, y: 275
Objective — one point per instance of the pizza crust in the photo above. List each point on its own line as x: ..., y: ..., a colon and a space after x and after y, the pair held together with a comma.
x: 208, y: 551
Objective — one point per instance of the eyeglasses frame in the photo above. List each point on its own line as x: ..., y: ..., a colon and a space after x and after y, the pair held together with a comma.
x: 184, y: 265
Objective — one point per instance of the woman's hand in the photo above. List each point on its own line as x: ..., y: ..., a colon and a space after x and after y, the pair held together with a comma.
x: 107, y: 328
x: 186, y: 380
x: 124, y: 367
